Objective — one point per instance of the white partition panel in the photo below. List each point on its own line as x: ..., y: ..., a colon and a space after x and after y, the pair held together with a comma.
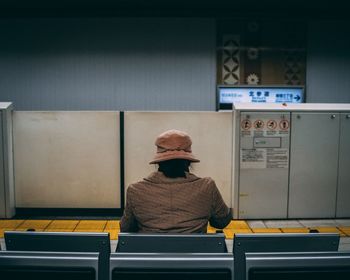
x: 67, y: 159
x: 211, y: 134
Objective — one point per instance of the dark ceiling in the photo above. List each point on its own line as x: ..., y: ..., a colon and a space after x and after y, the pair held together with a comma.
x: 218, y: 8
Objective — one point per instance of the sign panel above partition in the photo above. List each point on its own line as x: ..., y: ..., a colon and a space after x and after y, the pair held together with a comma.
x: 227, y: 95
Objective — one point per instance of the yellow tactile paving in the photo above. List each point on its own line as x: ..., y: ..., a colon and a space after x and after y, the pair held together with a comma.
x: 236, y: 224
x: 68, y: 225
x: 10, y: 223
x: 211, y: 229
x: 88, y: 230
x: 345, y: 230
x: 266, y: 230
x: 88, y: 225
x: 112, y: 225
x: 295, y: 230
x: 58, y: 230
x: 113, y: 233
x: 38, y: 225
x: 329, y: 230
x: 230, y: 233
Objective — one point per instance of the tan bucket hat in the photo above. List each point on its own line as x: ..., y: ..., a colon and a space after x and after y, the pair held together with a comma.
x: 173, y: 144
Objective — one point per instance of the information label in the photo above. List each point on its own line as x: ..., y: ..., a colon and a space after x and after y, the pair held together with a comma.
x: 253, y: 158
x: 264, y: 141
x: 264, y: 158
x: 277, y: 158
x: 230, y: 95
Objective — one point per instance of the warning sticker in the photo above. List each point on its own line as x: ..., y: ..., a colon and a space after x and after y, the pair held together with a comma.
x: 284, y: 124
x: 265, y: 126
x: 271, y: 124
x: 253, y: 158
x: 277, y: 158
x: 264, y: 141
x: 264, y: 158
x: 259, y: 124
x: 246, y: 124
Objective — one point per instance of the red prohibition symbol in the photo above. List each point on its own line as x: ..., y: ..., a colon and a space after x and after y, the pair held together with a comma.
x: 271, y: 124
x: 259, y: 124
x: 246, y: 124
x: 284, y: 124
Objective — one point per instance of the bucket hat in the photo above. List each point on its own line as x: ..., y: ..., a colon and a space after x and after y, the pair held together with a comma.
x: 173, y: 144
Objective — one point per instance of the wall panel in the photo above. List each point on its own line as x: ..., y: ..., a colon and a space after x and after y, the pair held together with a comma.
x: 67, y: 159
x: 211, y: 133
x: 108, y: 64
x: 328, y: 62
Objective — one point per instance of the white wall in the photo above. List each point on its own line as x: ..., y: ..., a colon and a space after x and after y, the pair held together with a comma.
x: 72, y: 159
x: 67, y: 159
x: 211, y: 134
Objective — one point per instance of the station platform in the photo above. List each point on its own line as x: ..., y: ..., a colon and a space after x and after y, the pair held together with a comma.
x: 341, y: 226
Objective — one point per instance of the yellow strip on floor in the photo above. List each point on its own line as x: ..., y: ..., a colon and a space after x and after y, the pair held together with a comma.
x: 113, y: 233
x: 62, y: 225
x: 266, y: 230
x: 113, y: 227
x: 88, y: 225
x: 38, y: 225
x: 295, y: 230
x: 10, y: 223
x: 329, y: 230
x: 234, y: 224
x: 230, y: 233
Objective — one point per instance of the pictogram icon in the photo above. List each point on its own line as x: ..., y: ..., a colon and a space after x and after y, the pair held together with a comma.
x: 284, y: 124
x: 271, y: 124
x: 259, y: 124
x: 246, y: 124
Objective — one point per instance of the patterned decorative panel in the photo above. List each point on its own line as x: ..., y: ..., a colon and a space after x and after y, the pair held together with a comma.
x: 230, y: 59
x: 252, y: 79
x: 293, y: 67
x: 252, y: 59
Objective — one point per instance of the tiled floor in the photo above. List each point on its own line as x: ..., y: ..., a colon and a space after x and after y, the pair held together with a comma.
x: 341, y: 226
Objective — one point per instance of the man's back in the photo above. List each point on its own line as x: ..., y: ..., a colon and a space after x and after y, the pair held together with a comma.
x: 172, y: 199
x: 177, y: 205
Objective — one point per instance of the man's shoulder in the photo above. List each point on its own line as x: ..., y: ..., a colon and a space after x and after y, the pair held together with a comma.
x: 137, y: 185
x: 193, y: 177
x: 208, y: 180
x: 206, y: 183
